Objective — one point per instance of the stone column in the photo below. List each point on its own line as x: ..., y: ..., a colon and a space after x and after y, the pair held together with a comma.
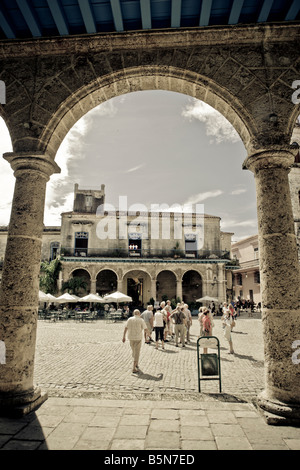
x: 279, y: 273
x: 120, y: 285
x: 221, y: 283
x: 179, y: 288
x: 153, y: 288
x: 20, y: 282
x: 93, y: 286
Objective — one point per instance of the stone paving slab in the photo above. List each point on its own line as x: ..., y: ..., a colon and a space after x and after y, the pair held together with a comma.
x: 103, y: 424
x: 96, y: 403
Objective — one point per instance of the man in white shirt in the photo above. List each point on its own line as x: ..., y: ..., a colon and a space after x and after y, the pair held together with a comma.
x: 134, y: 327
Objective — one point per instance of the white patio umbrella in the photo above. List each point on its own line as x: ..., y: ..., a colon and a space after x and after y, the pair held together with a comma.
x: 117, y: 297
x: 51, y: 298
x: 43, y: 297
x: 206, y: 298
x: 92, y: 298
x: 66, y: 298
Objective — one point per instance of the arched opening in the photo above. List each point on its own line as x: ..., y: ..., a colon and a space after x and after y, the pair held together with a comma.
x: 79, y: 283
x: 166, y: 286
x: 146, y: 78
x: 172, y: 81
x: 106, y: 282
x: 191, y: 286
x: 137, y: 284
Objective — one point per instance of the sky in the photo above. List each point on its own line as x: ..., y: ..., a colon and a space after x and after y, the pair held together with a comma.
x: 154, y: 147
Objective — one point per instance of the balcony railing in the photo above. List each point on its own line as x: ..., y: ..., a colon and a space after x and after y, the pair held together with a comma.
x: 144, y: 253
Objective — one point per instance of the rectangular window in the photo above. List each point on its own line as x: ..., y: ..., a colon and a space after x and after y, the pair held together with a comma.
x: 54, y: 250
x: 257, y: 277
x: 81, y: 243
x: 190, y: 246
x: 134, y: 244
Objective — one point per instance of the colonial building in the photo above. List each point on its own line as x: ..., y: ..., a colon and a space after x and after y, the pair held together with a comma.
x: 246, y: 279
x: 146, y: 255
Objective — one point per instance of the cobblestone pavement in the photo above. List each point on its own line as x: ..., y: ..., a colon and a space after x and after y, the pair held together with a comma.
x: 82, y: 357
x: 95, y: 402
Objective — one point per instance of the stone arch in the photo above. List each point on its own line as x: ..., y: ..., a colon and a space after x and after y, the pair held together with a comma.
x: 146, y: 78
x: 166, y: 284
x: 79, y: 268
x: 106, y: 281
x: 168, y: 269
x: 192, y: 286
x: 109, y: 269
x: 85, y: 275
x: 137, y: 284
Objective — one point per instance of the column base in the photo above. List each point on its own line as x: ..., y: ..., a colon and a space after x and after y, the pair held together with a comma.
x: 278, y: 413
x: 17, y: 406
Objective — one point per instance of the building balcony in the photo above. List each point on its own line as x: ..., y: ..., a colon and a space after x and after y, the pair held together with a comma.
x: 142, y: 254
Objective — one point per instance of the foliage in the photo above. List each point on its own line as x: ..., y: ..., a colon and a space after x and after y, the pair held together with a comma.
x: 74, y: 284
x: 49, y: 276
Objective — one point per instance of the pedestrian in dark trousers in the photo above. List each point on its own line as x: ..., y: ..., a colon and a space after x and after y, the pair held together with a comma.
x: 179, y: 320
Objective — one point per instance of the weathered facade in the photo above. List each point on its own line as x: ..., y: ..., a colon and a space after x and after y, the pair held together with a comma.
x: 246, y: 279
x: 144, y: 254
x: 245, y: 72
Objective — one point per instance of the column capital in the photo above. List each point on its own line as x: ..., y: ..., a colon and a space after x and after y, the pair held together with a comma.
x: 28, y: 161
x: 269, y: 158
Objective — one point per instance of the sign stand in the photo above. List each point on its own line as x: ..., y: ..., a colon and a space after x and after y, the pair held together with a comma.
x: 209, y: 365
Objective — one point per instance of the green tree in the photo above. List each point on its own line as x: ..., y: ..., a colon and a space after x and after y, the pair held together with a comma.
x: 74, y: 284
x: 49, y: 276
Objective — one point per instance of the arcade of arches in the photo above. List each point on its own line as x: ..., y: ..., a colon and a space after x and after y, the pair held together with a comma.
x: 245, y: 72
x: 142, y: 285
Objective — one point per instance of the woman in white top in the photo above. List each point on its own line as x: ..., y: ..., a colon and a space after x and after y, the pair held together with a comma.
x: 159, y: 326
x: 226, y: 321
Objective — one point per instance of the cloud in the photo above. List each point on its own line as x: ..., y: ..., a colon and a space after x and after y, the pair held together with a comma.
x: 200, y: 197
x: 216, y: 125
x: 135, y: 168
x: 60, y: 189
x: 236, y: 192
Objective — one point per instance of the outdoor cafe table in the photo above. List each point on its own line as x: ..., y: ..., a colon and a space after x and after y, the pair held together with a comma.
x: 81, y: 315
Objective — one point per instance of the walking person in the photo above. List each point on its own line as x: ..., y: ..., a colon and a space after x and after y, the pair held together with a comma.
x: 147, y: 316
x: 179, y: 320
x: 135, y: 327
x: 189, y: 321
x: 200, y: 317
x: 226, y: 321
x: 169, y: 326
x: 206, y: 325
x: 159, y: 327
x: 232, y: 316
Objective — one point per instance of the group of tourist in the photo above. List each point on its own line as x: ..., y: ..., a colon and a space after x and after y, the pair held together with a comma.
x: 166, y: 323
